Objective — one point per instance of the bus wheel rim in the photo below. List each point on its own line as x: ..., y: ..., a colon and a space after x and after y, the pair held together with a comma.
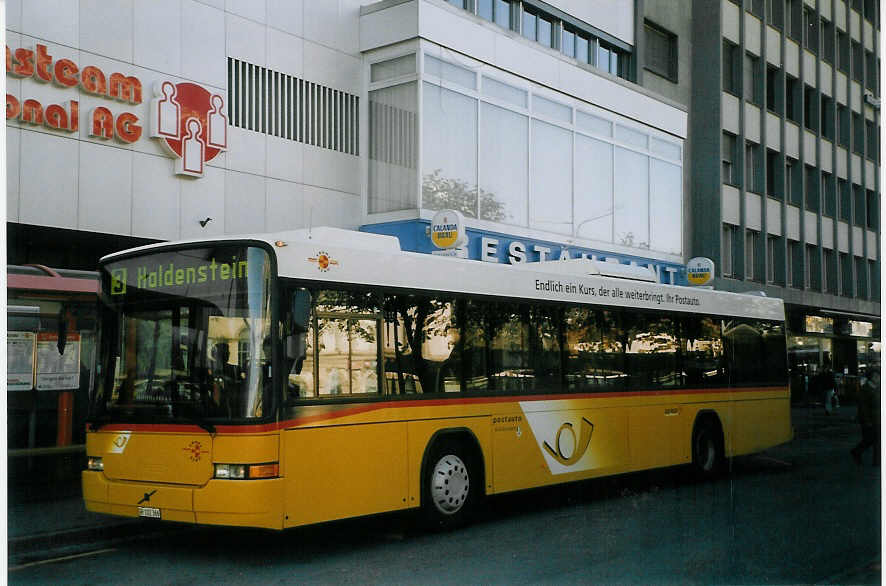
x: 449, y: 484
x: 708, y: 452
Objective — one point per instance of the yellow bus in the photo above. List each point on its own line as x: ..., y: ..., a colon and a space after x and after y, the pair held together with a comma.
x: 296, y: 378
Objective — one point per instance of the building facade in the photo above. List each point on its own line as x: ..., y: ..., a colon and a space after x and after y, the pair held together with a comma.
x: 558, y: 129
x: 791, y: 206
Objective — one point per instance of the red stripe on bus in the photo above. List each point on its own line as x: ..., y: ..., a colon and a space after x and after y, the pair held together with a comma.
x: 340, y: 412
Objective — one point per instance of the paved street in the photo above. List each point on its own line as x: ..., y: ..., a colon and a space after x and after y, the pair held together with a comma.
x: 801, y: 513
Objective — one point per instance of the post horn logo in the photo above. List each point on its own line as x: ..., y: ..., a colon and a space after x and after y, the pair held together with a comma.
x: 565, y: 453
x: 190, y: 122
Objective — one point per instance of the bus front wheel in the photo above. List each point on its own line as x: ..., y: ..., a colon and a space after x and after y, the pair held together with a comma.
x: 450, y: 485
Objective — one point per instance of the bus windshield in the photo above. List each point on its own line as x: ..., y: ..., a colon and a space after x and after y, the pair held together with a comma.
x: 187, y: 337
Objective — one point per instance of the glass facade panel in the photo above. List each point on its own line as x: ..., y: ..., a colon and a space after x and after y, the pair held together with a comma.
x: 551, y: 171
x: 593, y: 189
x: 664, y: 148
x: 450, y: 72
x: 449, y: 150
x: 393, y: 148
x: 631, y: 199
x: 502, y: 91
x: 593, y: 124
x: 631, y: 136
x: 504, y: 154
x: 392, y: 68
x: 551, y: 109
x: 665, y: 207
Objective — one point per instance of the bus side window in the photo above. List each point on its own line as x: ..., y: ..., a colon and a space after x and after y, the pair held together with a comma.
x: 420, y: 346
x: 347, y: 344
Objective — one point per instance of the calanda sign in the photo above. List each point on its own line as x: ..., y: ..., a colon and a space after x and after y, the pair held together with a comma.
x: 188, y: 119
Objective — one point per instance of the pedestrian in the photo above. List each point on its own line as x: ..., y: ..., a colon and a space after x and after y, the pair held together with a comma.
x: 869, y: 417
x: 828, y: 387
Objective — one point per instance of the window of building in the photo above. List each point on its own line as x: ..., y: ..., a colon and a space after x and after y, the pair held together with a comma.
x: 753, y: 165
x: 857, y: 61
x: 828, y: 194
x: 497, y: 11
x: 793, y: 103
x: 661, y: 51
x: 843, y: 51
x: 858, y: 197
x: 771, y: 258
x: 793, y: 187
x: 812, y: 188
x: 845, y: 196
x: 795, y: 264
x: 793, y: 19
x: 810, y: 29
x: 845, y: 275
x: 827, y: 117
x: 755, y: 7
x: 729, y: 250
x: 857, y: 134
x: 870, y: 10
x: 773, y: 176
x: 874, y: 269
x: 871, y: 136
x: 730, y: 68
x: 870, y: 75
x: 567, y: 42
x: 812, y: 272
x: 751, y: 241
x: 861, y: 276
x: 842, y: 126
x: 829, y: 268
x: 774, y: 90
x: 873, y: 210
x: 751, y: 81
x: 775, y: 13
x: 538, y: 27
x: 810, y: 108
x: 827, y: 41
x: 729, y: 156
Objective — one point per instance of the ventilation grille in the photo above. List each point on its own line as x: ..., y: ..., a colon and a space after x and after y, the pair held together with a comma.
x: 277, y: 104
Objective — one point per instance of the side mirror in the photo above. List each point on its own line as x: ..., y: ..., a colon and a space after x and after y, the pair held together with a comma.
x: 296, y: 349
x: 301, y: 310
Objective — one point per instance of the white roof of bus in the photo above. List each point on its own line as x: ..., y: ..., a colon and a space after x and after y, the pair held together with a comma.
x: 373, y: 259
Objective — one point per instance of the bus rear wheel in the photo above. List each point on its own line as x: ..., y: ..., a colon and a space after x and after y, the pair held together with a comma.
x: 449, y: 486
x: 707, y: 448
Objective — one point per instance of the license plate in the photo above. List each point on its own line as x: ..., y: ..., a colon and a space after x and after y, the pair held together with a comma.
x: 149, y: 512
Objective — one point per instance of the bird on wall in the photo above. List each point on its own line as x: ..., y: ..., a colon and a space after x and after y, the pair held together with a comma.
x: 204, y: 222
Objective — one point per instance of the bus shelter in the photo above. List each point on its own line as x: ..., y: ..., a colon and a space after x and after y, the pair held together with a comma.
x: 52, y: 331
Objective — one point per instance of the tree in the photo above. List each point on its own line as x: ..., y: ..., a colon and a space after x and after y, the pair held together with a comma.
x: 441, y: 193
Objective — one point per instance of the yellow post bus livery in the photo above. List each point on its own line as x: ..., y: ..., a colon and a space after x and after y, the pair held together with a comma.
x: 295, y: 378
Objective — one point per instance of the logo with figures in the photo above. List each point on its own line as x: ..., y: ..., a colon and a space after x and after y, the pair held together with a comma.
x: 190, y: 122
x: 194, y: 451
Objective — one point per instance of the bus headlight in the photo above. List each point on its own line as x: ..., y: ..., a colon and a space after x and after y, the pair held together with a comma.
x: 246, y: 471
x: 94, y: 463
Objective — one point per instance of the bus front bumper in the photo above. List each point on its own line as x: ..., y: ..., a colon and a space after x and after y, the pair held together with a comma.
x: 241, y: 503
